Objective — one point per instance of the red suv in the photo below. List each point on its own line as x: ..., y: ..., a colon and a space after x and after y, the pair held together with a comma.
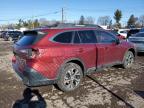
x: 63, y: 56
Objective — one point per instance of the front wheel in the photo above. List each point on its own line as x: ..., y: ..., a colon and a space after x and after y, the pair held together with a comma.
x: 128, y: 59
x: 70, y: 77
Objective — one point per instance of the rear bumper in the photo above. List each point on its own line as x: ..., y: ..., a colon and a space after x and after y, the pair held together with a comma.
x: 32, y: 78
x: 140, y: 48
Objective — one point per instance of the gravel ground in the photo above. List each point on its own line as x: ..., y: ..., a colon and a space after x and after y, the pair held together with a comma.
x: 112, y: 88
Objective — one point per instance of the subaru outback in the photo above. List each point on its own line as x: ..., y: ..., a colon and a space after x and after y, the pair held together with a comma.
x: 63, y: 56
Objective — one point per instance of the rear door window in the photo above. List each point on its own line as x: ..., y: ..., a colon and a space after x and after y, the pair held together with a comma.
x: 104, y: 37
x: 31, y: 37
x: 65, y: 37
x: 87, y: 36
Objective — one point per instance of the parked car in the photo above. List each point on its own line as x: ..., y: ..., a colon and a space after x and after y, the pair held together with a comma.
x: 138, y: 40
x: 115, y: 32
x: 123, y: 32
x: 1, y: 32
x: 12, y: 35
x: 132, y: 32
x: 142, y: 30
x: 63, y: 56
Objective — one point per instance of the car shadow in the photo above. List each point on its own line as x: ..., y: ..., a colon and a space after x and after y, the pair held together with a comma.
x: 140, y: 54
x: 118, y: 66
x: 114, y: 94
x: 27, y: 101
x: 140, y: 93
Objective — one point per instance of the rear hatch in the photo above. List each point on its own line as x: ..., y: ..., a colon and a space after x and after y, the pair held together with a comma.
x: 30, y: 38
x: 25, y: 49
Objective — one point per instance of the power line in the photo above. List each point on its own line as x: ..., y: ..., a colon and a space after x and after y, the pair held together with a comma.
x: 109, y: 11
x: 30, y: 17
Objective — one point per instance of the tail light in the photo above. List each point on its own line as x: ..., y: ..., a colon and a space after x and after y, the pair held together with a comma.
x: 34, y: 53
x: 13, y: 59
x: 30, y: 53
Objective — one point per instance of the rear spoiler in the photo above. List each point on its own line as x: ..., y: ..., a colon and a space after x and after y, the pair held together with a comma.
x: 33, y: 32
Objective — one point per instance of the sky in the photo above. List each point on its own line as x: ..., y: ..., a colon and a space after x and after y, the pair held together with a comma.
x: 12, y: 10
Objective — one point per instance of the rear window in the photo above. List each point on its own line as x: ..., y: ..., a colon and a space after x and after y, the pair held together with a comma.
x: 65, y: 37
x: 87, y: 36
x: 30, y: 37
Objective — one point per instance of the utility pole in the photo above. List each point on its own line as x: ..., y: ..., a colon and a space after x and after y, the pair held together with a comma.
x: 62, y: 15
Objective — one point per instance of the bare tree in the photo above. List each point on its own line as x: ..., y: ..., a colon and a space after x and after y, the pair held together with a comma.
x: 90, y: 20
x: 104, y: 20
x: 141, y: 20
x: 43, y: 21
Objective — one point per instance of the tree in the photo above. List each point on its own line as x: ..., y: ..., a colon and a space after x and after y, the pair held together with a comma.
x: 19, y: 24
x: 43, y: 21
x: 30, y: 24
x: 25, y: 24
x: 90, y: 20
x: 117, y: 17
x: 36, y: 23
x: 131, y: 21
x: 110, y: 24
x: 104, y: 20
x: 141, y: 20
x: 82, y: 20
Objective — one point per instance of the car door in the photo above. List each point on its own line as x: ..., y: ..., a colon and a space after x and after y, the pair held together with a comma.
x: 85, y: 41
x: 108, y: 49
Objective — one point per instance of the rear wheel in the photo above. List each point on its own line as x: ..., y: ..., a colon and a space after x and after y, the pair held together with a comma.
x: 128, y: 59
x: 70, y: 77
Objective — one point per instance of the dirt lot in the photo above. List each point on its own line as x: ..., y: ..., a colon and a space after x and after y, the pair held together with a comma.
x: 112, y: 88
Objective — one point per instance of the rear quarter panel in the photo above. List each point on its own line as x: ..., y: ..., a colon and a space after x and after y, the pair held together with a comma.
x: 125, y: 46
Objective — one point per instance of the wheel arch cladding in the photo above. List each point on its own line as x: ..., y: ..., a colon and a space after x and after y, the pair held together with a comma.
x: 73, y: 60
x: 133, y: 51
x: 78, y: 62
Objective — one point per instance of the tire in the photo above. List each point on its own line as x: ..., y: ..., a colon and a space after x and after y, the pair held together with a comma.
x: 128, y: 59
x: 70, y: 77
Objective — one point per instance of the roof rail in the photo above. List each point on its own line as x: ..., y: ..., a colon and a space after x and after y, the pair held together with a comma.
x: 70, y: 25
